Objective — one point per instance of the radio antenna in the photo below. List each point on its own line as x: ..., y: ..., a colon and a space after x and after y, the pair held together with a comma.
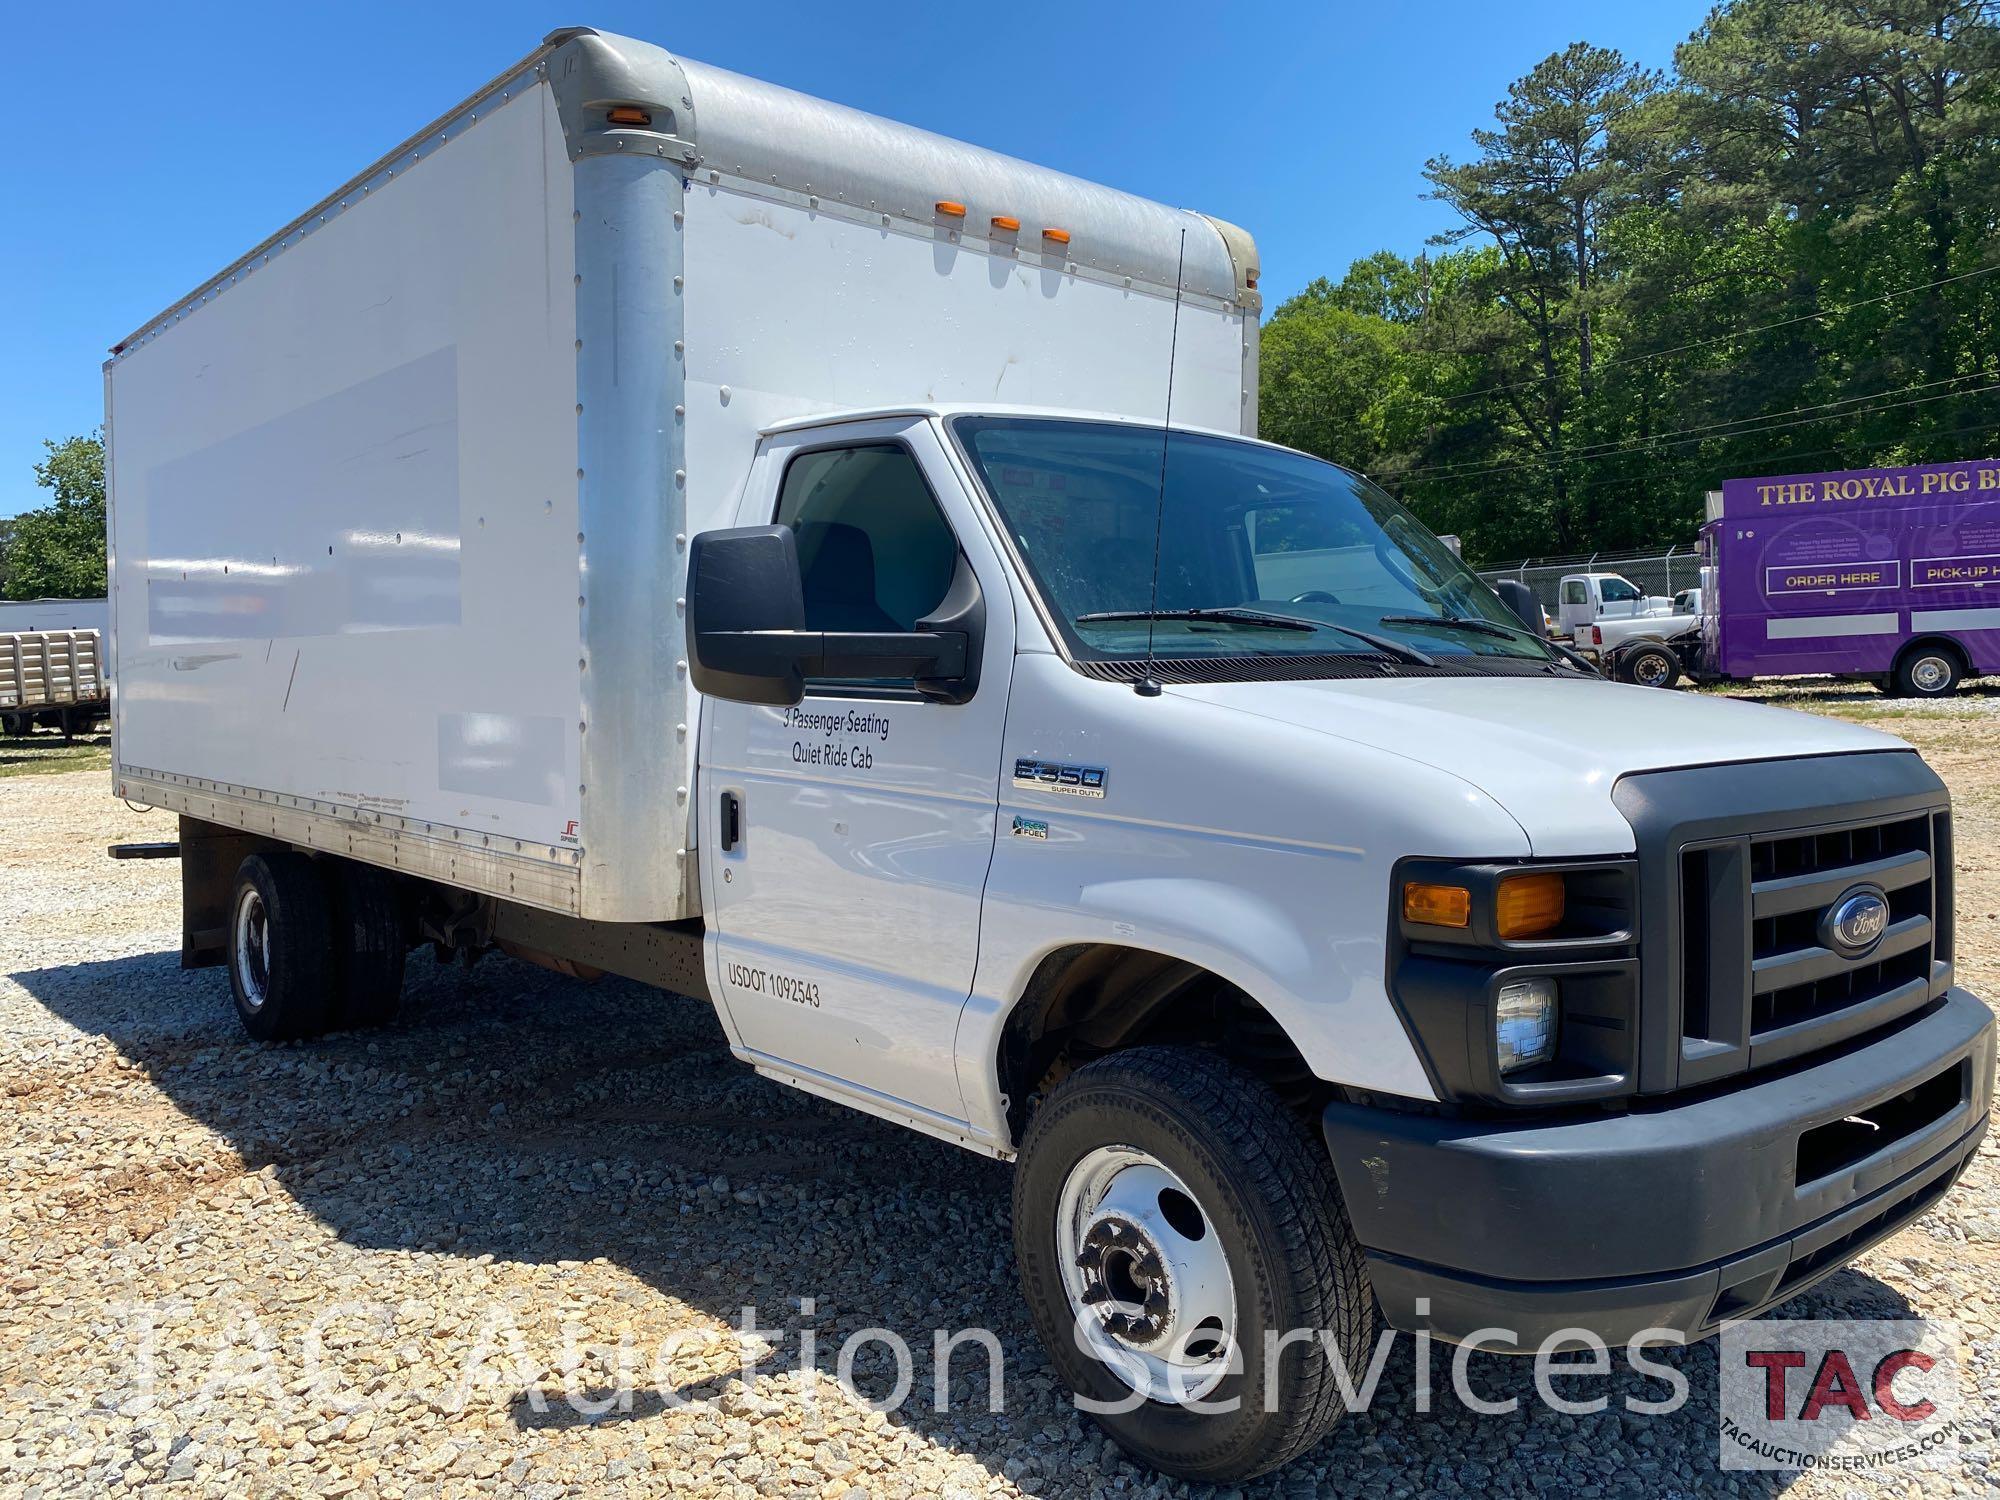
x: 1148, y: 686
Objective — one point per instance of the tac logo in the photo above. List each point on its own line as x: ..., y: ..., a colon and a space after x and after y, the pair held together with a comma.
x: 1840, y: 1394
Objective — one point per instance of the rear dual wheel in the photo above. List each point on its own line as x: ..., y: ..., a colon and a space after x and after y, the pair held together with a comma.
x: 313, y: 949
x: 1171, y: 1217
x: 1649, y: 664
x: 1927, y: 672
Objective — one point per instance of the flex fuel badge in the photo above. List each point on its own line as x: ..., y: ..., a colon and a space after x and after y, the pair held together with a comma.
x: 1031, y: 775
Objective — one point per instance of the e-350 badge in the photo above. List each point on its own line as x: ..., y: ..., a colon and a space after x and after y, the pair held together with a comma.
x: 1031, y: 775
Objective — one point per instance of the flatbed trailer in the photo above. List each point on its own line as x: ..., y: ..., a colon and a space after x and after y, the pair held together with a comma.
x: 51, y: 677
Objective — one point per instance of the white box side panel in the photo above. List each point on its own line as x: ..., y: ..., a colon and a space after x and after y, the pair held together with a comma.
x: 54, y: 614
x: 345, y: 507
x: 795, y: 311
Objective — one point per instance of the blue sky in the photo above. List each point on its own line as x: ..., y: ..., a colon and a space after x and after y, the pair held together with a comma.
x: 149, y: 144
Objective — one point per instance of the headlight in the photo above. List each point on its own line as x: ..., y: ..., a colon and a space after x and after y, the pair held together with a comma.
x: 1524, y: 1023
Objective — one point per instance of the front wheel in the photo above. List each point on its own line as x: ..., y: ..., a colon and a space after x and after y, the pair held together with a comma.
x: 1173, y: 1222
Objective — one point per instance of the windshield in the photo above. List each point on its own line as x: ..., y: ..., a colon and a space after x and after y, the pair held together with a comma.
x: 1244, y: 529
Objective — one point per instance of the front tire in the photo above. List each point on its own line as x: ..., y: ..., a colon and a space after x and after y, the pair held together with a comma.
x: 1168, y: 1207
x: 281, y: 948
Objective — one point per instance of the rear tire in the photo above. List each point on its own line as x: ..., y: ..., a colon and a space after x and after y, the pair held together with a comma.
x: 281, y: 947
x: 1175, y: 1148
x: 1649, y: 665
x: 368, y: 946
x: 1928, y: 671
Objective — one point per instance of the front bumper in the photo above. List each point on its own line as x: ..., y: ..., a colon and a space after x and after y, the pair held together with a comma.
x: 1674, y: 1217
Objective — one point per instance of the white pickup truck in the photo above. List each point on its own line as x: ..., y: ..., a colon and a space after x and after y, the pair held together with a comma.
x: 657, y: 523
x: 1609, y: 620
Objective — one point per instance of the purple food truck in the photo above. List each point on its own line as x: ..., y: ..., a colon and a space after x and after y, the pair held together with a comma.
x: 1887, y: 574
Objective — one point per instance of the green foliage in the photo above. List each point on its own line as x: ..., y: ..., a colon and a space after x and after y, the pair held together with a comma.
x: 57, y: 552
x: 1784, y: 257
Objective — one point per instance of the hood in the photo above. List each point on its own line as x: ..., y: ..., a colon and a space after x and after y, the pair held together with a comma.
x: 1548, y: 750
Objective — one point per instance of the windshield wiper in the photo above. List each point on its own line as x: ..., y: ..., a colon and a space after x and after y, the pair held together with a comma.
x: 1456, y: 622
x: 1236, y: 616
x: 1488, y: 627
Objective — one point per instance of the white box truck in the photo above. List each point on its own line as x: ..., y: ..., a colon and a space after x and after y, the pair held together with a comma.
x: 658, y: 523
x: 17, y: 615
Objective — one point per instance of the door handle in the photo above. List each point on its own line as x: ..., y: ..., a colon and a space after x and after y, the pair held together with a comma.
x: 732, y: 821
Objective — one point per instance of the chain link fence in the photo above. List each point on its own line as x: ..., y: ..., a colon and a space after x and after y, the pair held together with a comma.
x: 1662, y: 573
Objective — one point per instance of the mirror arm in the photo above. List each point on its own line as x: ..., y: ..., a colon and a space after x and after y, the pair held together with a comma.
x: 830, y: 653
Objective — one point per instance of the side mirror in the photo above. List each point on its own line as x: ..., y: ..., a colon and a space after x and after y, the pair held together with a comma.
x: 745, y: 608
x: 747, y: 636
x: 1518, y: 597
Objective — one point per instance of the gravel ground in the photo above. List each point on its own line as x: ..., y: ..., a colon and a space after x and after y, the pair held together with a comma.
x: 375, y: 1264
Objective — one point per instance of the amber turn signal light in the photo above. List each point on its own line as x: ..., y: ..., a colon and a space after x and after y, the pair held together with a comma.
x: 1526, y: 906
x: 1437, y: 905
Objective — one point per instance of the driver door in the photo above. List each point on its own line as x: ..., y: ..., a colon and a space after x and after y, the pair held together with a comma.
x: 845, y: 841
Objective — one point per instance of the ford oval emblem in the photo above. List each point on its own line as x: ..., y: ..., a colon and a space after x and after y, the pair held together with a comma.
x: 1855, y: 923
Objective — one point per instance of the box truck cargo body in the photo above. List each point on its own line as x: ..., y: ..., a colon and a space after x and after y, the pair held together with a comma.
x: 401, y: 500
x: 54, y: 614
x: 654, y: 523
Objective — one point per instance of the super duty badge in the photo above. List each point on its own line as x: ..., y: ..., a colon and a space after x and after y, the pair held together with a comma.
x: 1053, y: 776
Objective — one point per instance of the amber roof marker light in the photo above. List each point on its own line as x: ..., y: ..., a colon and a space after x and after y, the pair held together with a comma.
x: 950, y: 208
x: 1006, y: 223
x: 1057, y: 236
x: 628, y: 114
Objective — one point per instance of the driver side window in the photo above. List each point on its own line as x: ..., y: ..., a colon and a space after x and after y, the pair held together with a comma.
x: 875, y: 552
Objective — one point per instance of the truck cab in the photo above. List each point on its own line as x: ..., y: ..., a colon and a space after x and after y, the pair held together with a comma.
x: 977, y: 878
x: 1588, y: 597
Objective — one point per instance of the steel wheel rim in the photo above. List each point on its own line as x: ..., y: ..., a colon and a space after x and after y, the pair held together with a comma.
x: 1149, y: 1285
x: 1930, y: 673
x: 1650, y: 670
x: 252, y: 949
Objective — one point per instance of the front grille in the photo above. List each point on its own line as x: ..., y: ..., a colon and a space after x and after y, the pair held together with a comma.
x: 1762, y: 982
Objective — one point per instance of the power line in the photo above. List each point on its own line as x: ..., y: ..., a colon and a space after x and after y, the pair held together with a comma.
x: 1604, y: 449
x: 1675, y: 437
x: 1790, y: 456
x: 1471, y: 467
x: 1630, y: 359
